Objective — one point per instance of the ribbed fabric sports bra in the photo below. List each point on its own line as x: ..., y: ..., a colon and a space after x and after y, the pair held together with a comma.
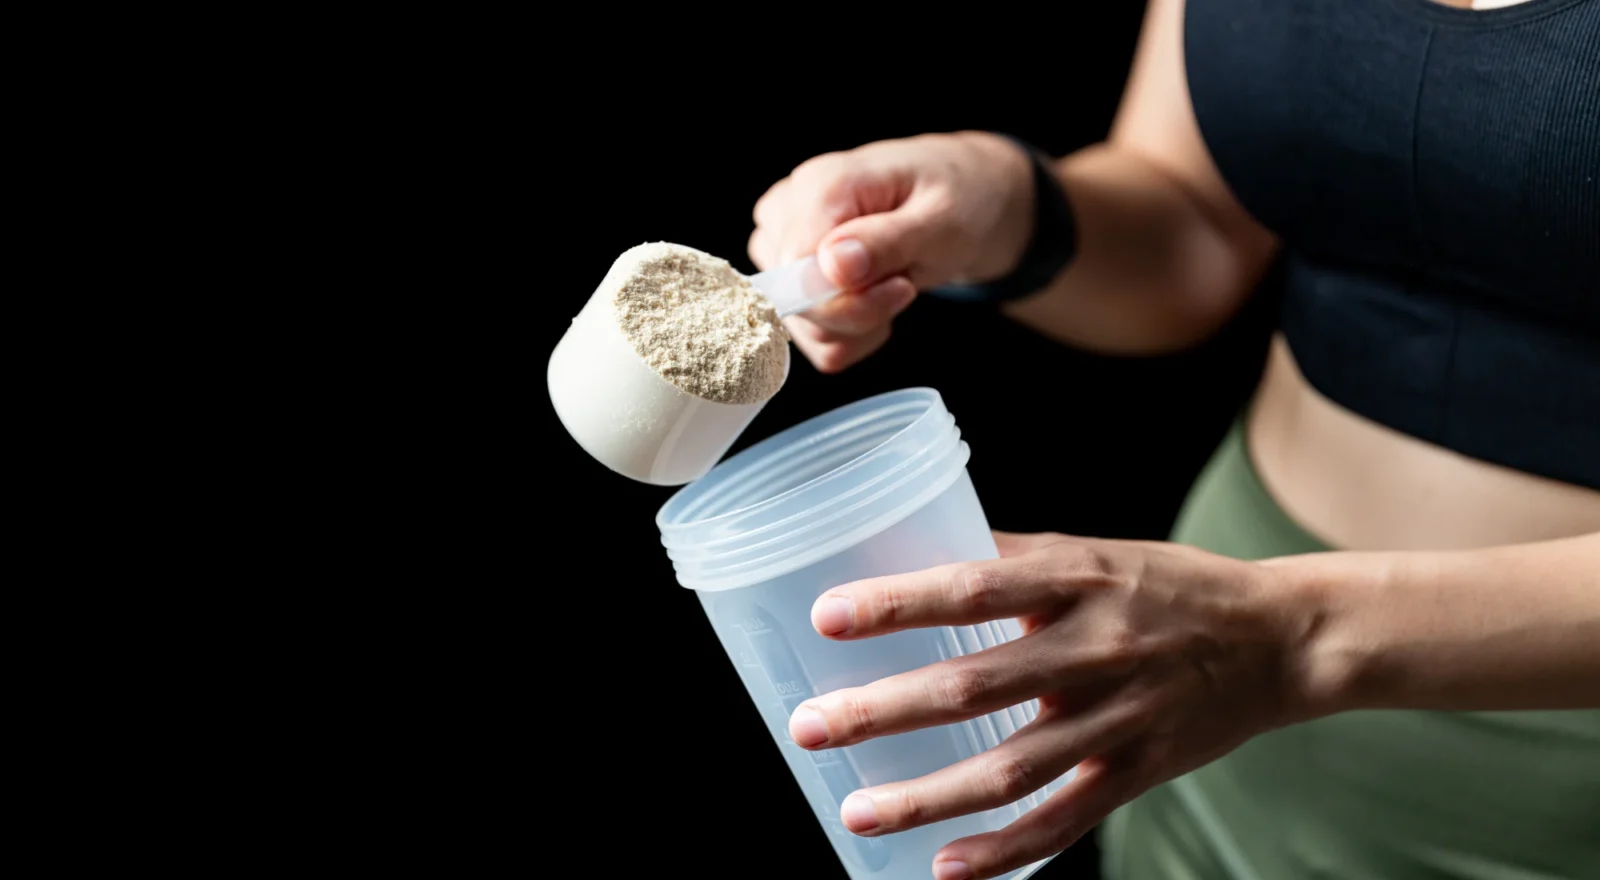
x: 1434, y: 174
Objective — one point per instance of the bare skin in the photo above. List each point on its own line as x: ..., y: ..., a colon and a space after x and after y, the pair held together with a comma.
x: 1460, y: 585
x: 1362, y: 486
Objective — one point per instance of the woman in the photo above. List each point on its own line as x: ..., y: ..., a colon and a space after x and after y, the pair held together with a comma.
x: 1373, y: 647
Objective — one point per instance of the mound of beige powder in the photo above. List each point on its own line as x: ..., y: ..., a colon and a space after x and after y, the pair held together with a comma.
x: 699, y: 324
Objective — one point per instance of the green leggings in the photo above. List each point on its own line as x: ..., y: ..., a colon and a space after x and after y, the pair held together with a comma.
x: 1377, y: 794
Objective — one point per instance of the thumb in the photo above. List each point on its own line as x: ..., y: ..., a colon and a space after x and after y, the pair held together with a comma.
x: 861, y: 252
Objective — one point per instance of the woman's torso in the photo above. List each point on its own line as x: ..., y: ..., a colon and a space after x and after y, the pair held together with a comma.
x: 1434, y: 174
x: 1358, y: 485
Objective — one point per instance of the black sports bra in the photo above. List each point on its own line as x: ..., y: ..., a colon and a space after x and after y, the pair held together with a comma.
x: 1434, y: 174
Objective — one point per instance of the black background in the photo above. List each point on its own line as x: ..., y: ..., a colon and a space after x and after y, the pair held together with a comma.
x: 679, y: 149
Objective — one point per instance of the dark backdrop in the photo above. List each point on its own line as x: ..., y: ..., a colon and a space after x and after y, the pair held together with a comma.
x: 679, y: 149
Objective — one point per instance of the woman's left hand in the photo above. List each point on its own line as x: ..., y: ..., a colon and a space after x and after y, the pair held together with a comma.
x: 1149, y: 660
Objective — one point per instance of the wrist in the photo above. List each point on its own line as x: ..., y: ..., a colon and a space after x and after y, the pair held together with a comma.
x: 1007, y: 240
x: 1334, y: 662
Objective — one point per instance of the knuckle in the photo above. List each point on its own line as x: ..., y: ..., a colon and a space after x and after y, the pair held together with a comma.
x: 849, y: 319
x: 962, y: 688
x: 1009, y: 778
x: 768, y: 206
x: 804, y: 330
x: 1098, y: 563
x: 889, y: 606
x: 1142, y: 715
x: 824, y: 178
x: 805, y: 172
x: 1089, y: 566
x: 1159, y: 752
x: 1065, y: 833
x: 817, y: 163
x: 1121, y: 640
x: 939, y: 201
x: 856, y: 717
x: 833, y: 358
x: 836, y: 197
x: 861, y: 321
x: 976, y: 588
x: 885, y: 310
x: 907, y: 810
x: 1149, y: 763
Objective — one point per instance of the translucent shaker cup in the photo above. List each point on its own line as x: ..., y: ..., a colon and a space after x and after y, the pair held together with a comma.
x: 632, y: 420
x: 876, y: 487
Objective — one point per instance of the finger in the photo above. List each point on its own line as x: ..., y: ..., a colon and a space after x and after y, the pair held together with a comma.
x: 855, y: 314
x: 948, y: 595
x: 942, y: 693
x: 876, y: 246
x: 1100, y: 787
x: 760, y: 248
x: 832, y: 352
x: 1034, y: 756
x: 769, y: 205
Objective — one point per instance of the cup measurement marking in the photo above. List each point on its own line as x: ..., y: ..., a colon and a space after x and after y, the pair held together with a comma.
x: 771, y: 653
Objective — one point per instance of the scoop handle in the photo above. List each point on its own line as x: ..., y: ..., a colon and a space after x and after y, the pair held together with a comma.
x: 795, y: 287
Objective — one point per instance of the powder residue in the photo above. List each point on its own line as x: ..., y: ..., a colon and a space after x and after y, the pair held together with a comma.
x: 699, y: 324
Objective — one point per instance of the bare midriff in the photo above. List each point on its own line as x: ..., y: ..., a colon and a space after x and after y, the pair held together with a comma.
x: 1358, y: 485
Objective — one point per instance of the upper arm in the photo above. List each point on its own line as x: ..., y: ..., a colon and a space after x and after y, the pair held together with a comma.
x: 1156, y: 123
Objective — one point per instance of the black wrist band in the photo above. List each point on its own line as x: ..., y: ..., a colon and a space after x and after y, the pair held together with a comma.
x: 1053, y: 245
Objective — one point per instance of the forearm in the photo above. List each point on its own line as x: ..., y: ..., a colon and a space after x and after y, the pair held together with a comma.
x: 1515, y: 627
x: 1153, y: 273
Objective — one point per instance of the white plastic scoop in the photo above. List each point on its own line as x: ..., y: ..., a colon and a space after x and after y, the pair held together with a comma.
x: 796, y: 287
x: 631, y: 419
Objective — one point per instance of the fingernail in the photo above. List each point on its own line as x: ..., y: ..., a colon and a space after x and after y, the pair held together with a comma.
x: 858, y: 813
x: 807, y: 728
x: 833, y: 615
x: 951, y: 871
x: 850, y: 260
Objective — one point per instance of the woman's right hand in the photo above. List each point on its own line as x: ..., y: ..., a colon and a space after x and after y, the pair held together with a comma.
x: 889, y: 219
